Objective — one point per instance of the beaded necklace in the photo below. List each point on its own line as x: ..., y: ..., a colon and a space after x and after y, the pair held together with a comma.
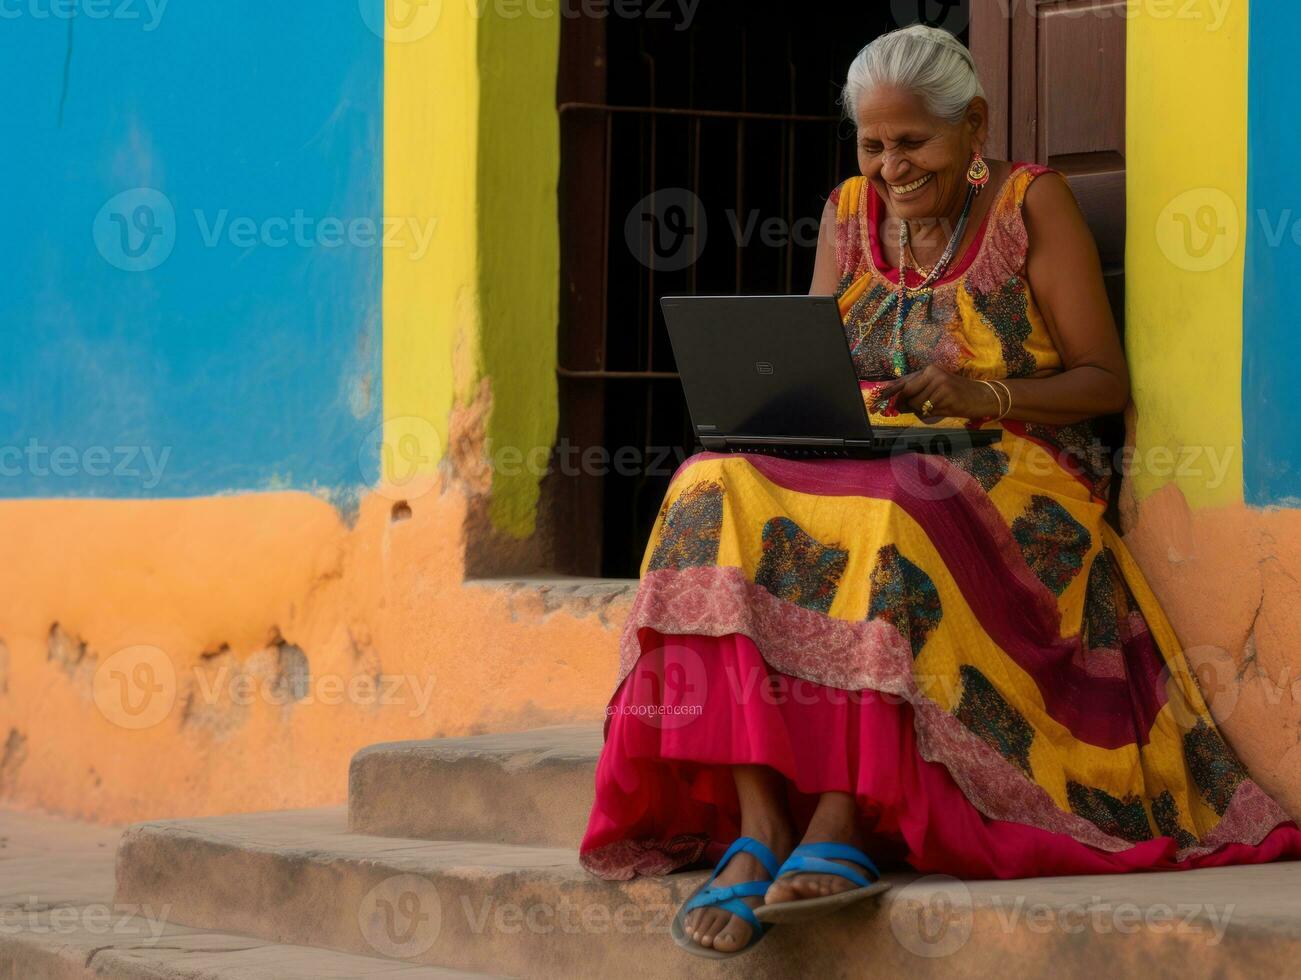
x: 898, y: 360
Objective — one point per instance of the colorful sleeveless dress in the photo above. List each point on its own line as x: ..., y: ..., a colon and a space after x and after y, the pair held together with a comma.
x: 961, y: 643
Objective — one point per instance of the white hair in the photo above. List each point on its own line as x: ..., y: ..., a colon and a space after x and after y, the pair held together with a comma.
x: 926, y: 60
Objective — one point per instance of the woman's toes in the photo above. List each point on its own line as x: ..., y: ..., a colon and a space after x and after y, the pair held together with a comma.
x: 710, y: 923
x: 796, y: 887
x: 733, y: 936
x: 779, y: 891
x: 807, y: 886
x: 695, y: 922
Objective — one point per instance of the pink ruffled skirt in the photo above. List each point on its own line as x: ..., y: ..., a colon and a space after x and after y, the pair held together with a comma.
x: 665, y: 797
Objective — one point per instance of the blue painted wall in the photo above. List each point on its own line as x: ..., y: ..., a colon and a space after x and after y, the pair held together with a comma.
x: 1271, y: 331
x: 239, y: 356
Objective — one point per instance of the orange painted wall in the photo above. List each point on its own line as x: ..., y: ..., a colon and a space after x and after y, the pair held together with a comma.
x: 176, y: 600
x: 1230, y: 580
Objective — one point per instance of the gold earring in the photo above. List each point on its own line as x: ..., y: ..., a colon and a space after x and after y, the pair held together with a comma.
x: 978, y: 172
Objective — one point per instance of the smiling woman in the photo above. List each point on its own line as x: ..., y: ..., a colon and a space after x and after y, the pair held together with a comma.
x: 986, y: 685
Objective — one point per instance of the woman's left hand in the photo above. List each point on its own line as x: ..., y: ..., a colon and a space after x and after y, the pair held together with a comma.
x: 949, y: 395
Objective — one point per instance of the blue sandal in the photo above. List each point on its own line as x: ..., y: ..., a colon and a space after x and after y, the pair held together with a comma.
x: 728, y: 899
x: 820, y: 859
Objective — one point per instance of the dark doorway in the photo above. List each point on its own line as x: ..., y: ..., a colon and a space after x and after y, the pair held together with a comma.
x: 696, y: 159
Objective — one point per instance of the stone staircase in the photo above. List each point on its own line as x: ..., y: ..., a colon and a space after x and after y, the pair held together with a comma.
x: 458, y: 857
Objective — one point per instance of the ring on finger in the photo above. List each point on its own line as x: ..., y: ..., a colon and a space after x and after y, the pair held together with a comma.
x: 927, y: 407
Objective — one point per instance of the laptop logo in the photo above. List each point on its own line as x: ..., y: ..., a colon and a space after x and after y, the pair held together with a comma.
x: 763, y: 367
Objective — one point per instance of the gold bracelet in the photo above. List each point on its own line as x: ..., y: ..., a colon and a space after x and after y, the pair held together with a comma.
x: 997, y: 397
x: 1009, y: 400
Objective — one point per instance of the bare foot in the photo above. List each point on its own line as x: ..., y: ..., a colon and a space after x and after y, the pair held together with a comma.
x: 716, y: 928
x: 836, y: 820
x: 720, y: 929
x: 761, y: 794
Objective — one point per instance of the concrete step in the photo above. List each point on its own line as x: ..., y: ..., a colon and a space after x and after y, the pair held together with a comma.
x: 301, y: 877
x: 58, y: 921
x: 134, y: 949
x: 532, y: 788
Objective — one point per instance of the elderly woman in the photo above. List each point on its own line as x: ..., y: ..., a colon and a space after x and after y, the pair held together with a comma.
x: 949, y: 662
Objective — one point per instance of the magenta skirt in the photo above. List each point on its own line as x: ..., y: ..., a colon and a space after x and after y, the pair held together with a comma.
x: 665, y: 798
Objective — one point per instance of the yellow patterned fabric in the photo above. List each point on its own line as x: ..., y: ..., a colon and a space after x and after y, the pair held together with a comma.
x: 985, y: 589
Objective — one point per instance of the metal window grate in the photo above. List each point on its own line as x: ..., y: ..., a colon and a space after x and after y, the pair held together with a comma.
x: 732, y: 127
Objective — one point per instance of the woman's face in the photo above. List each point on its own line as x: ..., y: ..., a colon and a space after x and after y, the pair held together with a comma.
x: 916, y: 162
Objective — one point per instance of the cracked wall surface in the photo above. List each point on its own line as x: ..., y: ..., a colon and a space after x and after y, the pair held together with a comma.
x: 1230, y: 580
x: 238, y: 659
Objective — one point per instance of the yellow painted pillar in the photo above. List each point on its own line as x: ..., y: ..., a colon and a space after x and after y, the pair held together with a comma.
x: 472, y: 145
x: 1187, y: 173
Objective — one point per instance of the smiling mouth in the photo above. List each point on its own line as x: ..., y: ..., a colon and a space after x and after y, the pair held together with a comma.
x: 900, y: 190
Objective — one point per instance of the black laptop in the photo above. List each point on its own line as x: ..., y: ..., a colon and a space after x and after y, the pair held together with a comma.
x: 773, y: 375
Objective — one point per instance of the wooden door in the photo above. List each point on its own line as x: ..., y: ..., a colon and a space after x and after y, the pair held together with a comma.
x: 1054, y: 72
